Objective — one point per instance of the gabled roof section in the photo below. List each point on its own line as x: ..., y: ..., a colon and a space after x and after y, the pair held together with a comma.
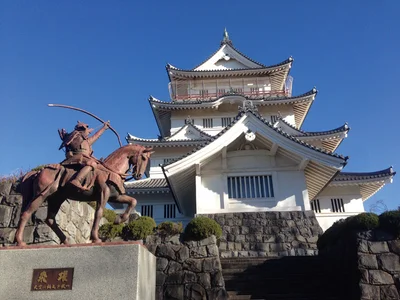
x: 162, y: 109
x: 229, y: 61
x: 330, y: 139
x: 226, y: 54
x: 187, y: 135
x: 319, y: 165
x: 369, y: 182
x: 251, y: 112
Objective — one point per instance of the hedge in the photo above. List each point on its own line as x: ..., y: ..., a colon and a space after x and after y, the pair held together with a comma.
x: 202, y: 227
x: 139, y: 229
x: 169, y: 228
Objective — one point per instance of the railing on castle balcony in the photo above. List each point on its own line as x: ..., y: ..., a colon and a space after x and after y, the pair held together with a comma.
x: 208, y: 90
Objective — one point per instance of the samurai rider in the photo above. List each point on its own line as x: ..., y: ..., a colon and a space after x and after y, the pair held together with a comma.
x: 78, y: 150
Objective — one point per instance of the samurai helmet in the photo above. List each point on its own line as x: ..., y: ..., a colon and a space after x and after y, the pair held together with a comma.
x: 81, y: 126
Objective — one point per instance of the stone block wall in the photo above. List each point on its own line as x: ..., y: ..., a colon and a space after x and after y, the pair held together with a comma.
x: 379, y: 267
x: 74, y: 218
x: 260, y: 234
x: 187, y: 270
x: 365, y: 265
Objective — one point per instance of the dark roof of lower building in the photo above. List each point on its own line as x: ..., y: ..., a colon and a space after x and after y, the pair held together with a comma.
x: 354, y: 176
x: 147, y: 184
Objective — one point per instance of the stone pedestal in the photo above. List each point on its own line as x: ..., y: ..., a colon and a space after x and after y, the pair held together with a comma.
x: 105, y: 271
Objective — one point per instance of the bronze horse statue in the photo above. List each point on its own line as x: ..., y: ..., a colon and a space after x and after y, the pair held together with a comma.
x: 52, y: 183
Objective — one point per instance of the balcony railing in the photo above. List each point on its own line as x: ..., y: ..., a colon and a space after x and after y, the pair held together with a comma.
x: 208, y: 90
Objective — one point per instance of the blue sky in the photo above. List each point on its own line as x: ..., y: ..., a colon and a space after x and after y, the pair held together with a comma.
x: 109, y: 56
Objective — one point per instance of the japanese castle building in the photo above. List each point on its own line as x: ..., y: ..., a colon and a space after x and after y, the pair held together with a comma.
x: 231, y: 141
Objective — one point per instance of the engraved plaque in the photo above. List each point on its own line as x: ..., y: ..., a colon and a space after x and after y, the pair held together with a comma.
x: 52, y: 279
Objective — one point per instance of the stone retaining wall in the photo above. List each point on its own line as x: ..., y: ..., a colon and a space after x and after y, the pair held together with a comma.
x: 379, y: 266
x: 74, y: 218
x: 365, y: 265
x: 187, y: 270
x: 268, y: 233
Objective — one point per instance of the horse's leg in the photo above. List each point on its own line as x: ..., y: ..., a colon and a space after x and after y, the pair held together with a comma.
x: 26, y: 215
x: 54, y: 205
x: 47, y: 186
x: 131, y: 205
x: 104, y: 196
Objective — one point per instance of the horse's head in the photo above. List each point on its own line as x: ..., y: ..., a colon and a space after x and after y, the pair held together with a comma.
x: 140, y: 162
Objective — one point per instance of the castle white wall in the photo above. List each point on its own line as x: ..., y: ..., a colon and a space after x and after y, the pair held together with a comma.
x: 352, y: 204
x: 178, y: 118
x: 289, y: 185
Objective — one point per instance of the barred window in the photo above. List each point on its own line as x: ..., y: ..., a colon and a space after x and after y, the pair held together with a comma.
x: 204, y: 93
x: 274, y: 119
x: 226, y: 121
x: 208, y: 123
x: 169, y: 211
x: 254, y: 91
x: 315, y: 206
x: 337, y: 205
x: 221, y: 92
x: 147, y: 210
x: 168, y: 160
x: 238, y: 90
x: 250, y: 187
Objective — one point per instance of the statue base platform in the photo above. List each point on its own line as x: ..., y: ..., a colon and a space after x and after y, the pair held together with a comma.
x: 123, y: 270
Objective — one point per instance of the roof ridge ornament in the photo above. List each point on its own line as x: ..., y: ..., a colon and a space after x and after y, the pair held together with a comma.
x: 226, y: 39
x: 189, y: 120
x: 248, y: 106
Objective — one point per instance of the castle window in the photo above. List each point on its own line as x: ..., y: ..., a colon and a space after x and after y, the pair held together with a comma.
x: 337, y: 205
x: 208, y: 123
x: 221, y: 92
x: 168, y: 160
x: 238, y: 90
x: 147, y: 210
x: 204, y: 93
x: 250, y: 187
x: 226, y: 121
x: 254, y: 90
x: 169, y: 211
x: 315, y: 206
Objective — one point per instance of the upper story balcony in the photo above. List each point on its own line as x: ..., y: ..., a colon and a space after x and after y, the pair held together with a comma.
x: 212, y: 89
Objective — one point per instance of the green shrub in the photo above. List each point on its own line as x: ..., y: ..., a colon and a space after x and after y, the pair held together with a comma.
x: 390, y: 221
x: 170, y: 228
x: 341, y: 228
x: 110, y: 215
x: 332, y: 234
x: 110, y: 231
x: 202, y: 227
x: 363, y: 221
x: 139, y: 229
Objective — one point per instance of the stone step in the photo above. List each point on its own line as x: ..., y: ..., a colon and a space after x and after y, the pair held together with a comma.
x: 235, y: 296
x: 289, y: 272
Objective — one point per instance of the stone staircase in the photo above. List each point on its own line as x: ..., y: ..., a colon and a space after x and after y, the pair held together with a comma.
x: 274, y: 278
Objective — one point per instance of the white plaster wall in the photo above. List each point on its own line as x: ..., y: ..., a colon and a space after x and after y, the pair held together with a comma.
x: 327, y: 220
x: 352, y: 200
x: 164, y: 153
x: 211, y: 193
x: 290, y: 190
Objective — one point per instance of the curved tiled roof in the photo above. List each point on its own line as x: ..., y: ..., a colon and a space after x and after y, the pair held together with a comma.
x: 287, y: 61
x: 257, y: 115
x: 356, y: 176
x: 148, y: 183
x: 168, y: 139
